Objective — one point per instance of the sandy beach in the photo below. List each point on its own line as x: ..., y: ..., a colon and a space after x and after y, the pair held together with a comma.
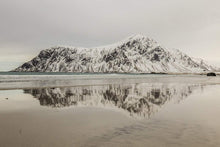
x: 160, y: 110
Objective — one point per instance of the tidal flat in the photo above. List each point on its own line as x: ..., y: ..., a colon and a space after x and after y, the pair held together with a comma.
x: 109, y: 110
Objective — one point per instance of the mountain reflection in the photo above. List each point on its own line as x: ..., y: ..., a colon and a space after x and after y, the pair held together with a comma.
x: 134, y: 99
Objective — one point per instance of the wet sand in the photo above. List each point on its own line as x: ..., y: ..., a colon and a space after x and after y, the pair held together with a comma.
x: 116, y: 114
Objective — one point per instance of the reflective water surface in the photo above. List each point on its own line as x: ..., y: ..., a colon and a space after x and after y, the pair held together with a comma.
x: 134, y: 113
x: 139, y: 100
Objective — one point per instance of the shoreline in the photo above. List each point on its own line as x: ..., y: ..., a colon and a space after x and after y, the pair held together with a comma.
x: 100, y: 73
x: 8, y: 82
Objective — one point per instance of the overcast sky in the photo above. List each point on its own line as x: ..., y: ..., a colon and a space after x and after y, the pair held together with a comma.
x: 28, y: 26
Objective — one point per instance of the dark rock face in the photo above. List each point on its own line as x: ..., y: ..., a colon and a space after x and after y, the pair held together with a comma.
x: 211, y: 74
x: 26, y: 65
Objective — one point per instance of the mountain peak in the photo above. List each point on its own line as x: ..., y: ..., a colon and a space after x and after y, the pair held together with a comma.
x: 141, y: 38
x: 133, y: 38
x: 137, y: 36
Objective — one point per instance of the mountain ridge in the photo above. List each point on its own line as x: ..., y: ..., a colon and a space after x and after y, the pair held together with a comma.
x: 135, y: 54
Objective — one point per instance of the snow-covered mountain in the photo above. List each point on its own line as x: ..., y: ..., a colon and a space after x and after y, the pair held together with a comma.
x: 136, y: 54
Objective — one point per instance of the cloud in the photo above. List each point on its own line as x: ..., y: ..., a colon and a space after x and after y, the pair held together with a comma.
x: 27, y: 26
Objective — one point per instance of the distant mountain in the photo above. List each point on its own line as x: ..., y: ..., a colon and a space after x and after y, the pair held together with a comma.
x: 136, y: 54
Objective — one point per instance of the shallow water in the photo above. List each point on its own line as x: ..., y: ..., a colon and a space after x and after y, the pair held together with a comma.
x: 110, y: 110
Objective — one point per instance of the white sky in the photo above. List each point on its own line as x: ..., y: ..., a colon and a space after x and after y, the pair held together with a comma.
x: 28, y: 26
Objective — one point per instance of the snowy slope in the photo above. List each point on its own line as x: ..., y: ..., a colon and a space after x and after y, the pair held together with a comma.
x: 136, y: 54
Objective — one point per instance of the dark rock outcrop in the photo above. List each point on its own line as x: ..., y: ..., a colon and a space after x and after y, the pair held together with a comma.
x: 211, y: 74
